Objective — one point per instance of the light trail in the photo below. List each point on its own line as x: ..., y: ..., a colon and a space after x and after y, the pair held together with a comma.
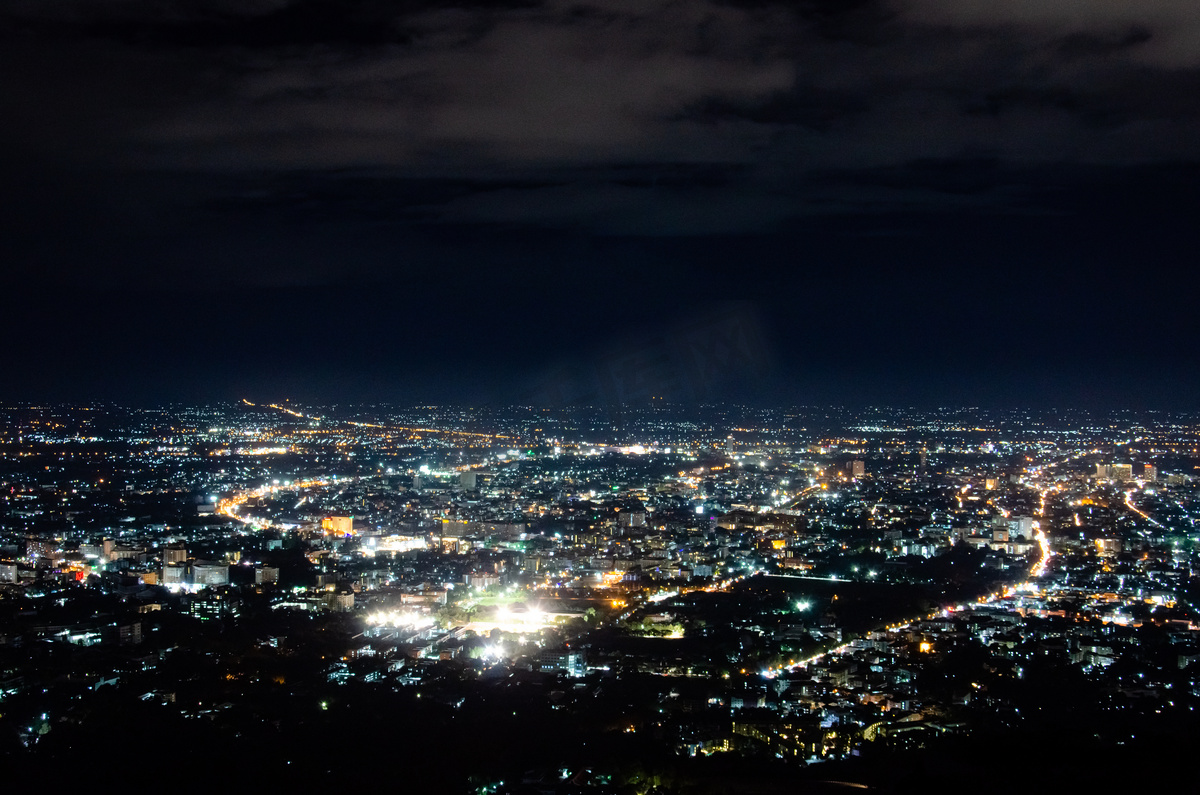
x: 796, y: 501
x: 1037, y: 570
x: 230, y: 506
x: 405, y: 428
x: 1129, y: 504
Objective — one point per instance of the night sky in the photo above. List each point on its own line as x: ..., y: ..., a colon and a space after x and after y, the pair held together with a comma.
x: 928, y: 202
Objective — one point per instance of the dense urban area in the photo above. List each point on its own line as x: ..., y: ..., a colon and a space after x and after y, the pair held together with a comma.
x: 599, y: 600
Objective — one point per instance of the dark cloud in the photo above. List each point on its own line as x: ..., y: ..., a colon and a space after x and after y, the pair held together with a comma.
x: 441, y: 90
x: 1164, y: 33
x: 557, y: 104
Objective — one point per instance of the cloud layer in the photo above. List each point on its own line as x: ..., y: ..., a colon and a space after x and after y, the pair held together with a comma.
x: 585, y: 113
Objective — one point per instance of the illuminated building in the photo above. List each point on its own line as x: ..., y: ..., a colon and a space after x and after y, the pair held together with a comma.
x: 477, y: 580
x: 40, y: 548
x: 339, y: 602
x: 1117, y: 472
x: 633, y: 518
x: 338, y: 525
x: 218, y: 603
x: 856, y: 468
x: 209, y: 573
x: 569, y: 662
x: 124, y: 553
x: 174, y: 574
x: 1021, y: 526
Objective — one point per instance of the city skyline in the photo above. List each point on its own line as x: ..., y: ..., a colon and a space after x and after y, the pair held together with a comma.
x: 666, y: 600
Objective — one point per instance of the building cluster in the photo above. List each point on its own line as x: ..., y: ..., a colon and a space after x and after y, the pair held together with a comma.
x: 806, y: 584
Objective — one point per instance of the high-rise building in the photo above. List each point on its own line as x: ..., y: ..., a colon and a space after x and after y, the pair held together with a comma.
x: 856, y: 468
x: 41, y: 548
x: 210, y: 573
x: 339, y: 602
x: 1021, y: 526
x: 632, y: 518
x: 174, y: 574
